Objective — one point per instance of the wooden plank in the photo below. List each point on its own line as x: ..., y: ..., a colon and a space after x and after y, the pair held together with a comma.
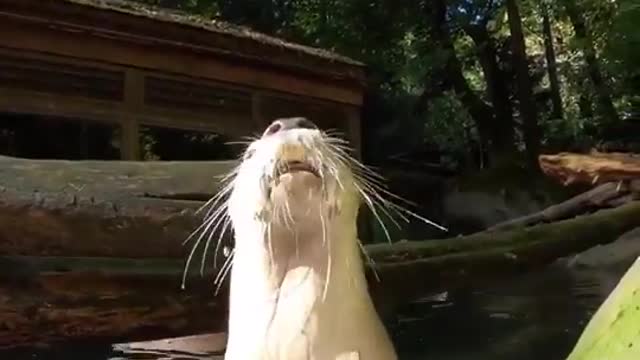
x: 195, y: 347
x: 84, y: 45
x: 28, y: 102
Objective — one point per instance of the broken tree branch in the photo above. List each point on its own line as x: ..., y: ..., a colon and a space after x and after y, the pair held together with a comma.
x: 593, y: 168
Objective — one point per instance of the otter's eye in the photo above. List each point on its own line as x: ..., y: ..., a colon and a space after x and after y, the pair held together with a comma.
x: 248, y: 154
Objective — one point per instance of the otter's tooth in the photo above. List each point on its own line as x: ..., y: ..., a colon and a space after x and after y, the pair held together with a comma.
x: 290, y: 152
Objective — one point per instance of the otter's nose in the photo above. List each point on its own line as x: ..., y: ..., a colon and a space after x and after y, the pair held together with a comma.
x: 288, y: 124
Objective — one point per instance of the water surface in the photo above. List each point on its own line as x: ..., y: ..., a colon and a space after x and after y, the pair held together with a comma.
x: 538, y: 315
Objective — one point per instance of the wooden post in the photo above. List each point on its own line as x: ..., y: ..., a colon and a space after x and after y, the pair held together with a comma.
x: 134, y: 101
x: 354, y: 129
x: 84, y: 140
x: 354, y: 132
x: 257, y: 114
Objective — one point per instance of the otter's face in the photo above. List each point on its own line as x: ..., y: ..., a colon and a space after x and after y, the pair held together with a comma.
x: 294, y: 173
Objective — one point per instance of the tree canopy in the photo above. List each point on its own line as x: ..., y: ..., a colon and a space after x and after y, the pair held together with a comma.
x: 476, y: 82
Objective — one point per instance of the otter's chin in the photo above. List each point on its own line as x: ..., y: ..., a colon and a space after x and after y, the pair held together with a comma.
x: 297, y: 189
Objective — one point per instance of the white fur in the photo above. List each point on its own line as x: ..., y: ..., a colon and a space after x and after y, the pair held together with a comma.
x: 298, y: 289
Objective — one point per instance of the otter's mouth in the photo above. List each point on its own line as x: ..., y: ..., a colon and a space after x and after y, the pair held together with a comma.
x: 289, y: 167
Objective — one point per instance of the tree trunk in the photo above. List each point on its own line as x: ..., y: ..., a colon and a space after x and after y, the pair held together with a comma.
x: 502, y: 128
x: 601, y: 87
x: 528, y: 113
x: 552, y: 67
x: 482, y: 114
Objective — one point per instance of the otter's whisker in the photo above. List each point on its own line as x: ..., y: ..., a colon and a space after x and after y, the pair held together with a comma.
x: 225, y: 226
x: 369, y: 260
x: 371, y: 206
x: 205, y: 224
x: 226, y: 267
x: 270, y: 244
x: 226, y: 185
x: 209, y: 223
x: 370, y: 181
x: 222, y: 219
x: 289, y: 221
x: 328, y: 243
x: 186, y: 266
x: 323, y: 226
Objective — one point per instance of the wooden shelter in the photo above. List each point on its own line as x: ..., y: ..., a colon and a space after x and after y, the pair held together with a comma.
x: 129, y: 65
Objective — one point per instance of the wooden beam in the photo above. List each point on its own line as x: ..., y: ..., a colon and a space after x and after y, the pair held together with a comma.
x: 72, y: 107
x: 84, y: 45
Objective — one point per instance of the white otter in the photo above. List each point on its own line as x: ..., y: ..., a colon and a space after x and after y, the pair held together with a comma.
x: 298, y: 288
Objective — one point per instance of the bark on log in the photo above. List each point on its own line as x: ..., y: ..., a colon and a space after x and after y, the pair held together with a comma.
x: 102, y: 208
x: 114, y: 180
x: 594, y: 168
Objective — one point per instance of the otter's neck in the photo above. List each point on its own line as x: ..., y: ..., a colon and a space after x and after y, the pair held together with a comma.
x: 286, y: 288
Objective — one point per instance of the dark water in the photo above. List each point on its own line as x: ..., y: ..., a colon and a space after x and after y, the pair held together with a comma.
x: 533, y: 316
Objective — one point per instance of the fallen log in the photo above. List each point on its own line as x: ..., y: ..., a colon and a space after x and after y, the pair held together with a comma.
x: 593, y: 168
x: 102, y: 208
x: 114, y: 180
x: 605, y: 195
x: 410, y: 268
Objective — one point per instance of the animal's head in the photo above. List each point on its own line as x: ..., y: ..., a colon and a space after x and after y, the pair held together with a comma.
x: 294, y: 179
x: 294, y: 174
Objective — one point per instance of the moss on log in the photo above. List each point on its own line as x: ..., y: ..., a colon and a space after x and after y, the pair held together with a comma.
x: 614, y: 331
x: 411, y: 267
